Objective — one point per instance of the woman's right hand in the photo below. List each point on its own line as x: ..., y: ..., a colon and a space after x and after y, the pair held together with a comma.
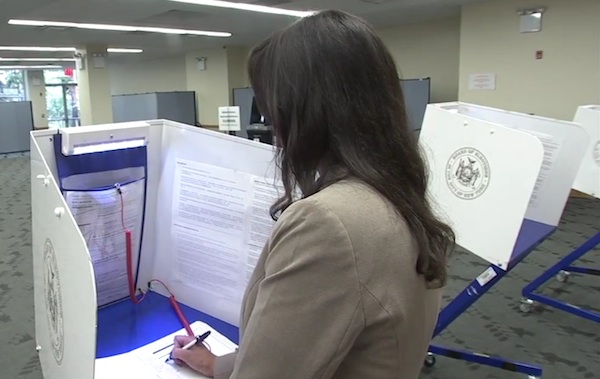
x: 198, y: 358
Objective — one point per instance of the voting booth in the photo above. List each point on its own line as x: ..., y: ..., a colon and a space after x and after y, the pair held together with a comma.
x: 501, y: 179
x: 139, y: 229
x: 145, y: 229
x: 587, y: 182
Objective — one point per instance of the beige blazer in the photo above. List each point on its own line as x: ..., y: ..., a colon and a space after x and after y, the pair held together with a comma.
x: 335, y: 294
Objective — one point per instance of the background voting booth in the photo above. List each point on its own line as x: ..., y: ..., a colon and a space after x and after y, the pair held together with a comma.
x: 501, y: 179
x: 416, y: 96
x: 179, y: 106
x: 588, y: 182
x: 124, y: 217
x: 16, y: 122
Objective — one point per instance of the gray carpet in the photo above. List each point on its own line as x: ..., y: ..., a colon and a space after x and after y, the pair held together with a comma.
x: 566, y: 346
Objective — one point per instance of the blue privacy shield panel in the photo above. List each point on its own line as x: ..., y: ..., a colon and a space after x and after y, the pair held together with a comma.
x: 125, y: 326
x: 101, y: 166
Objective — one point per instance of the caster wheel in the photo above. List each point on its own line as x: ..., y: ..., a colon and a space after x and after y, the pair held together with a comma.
x: 525, y: 305
x: 563, y: 276
x: 430, y: 360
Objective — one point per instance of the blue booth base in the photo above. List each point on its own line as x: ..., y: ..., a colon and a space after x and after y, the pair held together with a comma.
x: 561, y: 270
x: 530, y: 236
x: 125, y: 326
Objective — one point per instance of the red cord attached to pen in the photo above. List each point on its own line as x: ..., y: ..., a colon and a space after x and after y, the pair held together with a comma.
x: 129, y: 254
x: 131, y: 279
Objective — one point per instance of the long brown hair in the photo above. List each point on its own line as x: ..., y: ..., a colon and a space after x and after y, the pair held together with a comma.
x: 331, y: 90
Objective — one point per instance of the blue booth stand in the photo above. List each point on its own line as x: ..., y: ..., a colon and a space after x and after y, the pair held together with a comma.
x: 587, y: 182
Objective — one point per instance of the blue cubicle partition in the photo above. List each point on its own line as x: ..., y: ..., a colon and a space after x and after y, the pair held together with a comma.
x: 16, y: 121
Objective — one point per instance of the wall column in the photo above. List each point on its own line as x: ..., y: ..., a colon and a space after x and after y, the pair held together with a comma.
x: 94, y: 86
x: 36, y: 88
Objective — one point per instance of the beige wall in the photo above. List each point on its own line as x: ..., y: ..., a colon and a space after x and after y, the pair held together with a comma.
x: 429, y: 49
x: 211, y: 85
x: 154, y: 76
x: 237, y: 60
x: 95, y: 102
x: 567, y: 76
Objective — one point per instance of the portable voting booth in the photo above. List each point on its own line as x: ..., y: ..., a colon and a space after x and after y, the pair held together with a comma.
x: 501, y: 179
x: 125, y: 215
x: 588, y: 182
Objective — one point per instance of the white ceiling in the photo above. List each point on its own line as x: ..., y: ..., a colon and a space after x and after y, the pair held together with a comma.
x: 247, y: 27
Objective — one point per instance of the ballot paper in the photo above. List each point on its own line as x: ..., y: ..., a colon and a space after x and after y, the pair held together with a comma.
x: 220, y: 223
x: 150, y: 361
x: 100, y: 215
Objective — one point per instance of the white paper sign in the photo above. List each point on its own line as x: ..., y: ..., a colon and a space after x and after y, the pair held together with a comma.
x: 229, y: 119
x: 482, y: 82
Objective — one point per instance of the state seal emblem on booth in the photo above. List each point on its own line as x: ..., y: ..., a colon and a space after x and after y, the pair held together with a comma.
x: 468, y: 173
x: 54, y: 310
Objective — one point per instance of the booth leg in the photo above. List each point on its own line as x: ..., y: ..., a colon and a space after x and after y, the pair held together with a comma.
x: 483, y: 359
x: 477, y: 288
x: 562, y: 271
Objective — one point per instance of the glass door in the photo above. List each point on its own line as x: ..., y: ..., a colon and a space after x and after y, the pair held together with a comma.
x: 62, y: 102
x: 72, y: 102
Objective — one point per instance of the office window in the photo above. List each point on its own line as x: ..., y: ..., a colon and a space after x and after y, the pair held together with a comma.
x: 62, y: 98
x: 12, y: 85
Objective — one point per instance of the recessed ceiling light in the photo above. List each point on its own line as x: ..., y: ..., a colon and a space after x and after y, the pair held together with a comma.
x: 64, y: 49
x: 118, y: 28
x: 248, y: 7
x: 37, y: 60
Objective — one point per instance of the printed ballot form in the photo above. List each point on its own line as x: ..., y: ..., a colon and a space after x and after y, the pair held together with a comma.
x: 100, y: 215
x: 493, y: 170
x: 151, y: 361
x: 220, y: 224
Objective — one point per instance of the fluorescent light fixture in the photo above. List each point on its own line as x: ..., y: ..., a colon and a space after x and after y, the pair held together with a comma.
x: 39, y: 48
x: 39, y: 67
x: 125, y: 51
x: 108, y: 146
x: 37, y: 60
x: 118, y: 28
x: 64, y: 49
x: 99, y: 138
x: 248, y: 7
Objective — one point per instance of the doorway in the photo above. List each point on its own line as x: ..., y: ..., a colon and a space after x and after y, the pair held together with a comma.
x: 62, y: 103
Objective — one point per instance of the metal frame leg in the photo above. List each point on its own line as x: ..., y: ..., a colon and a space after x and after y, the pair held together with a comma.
x: 483, y: 359
x: 477, y: 288
x: 561, y: 270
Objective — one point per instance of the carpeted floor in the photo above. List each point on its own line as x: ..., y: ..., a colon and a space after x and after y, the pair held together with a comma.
x: 566, y: 346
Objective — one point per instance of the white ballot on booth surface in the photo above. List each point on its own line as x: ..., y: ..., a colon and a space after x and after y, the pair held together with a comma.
x: 150, y: 361
x: 99, y: 215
